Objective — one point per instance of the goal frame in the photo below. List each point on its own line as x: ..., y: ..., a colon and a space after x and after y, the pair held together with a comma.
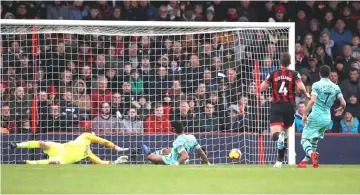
x: 158, y: 24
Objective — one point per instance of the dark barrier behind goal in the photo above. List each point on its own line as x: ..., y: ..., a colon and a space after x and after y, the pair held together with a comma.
x: 334, y: 149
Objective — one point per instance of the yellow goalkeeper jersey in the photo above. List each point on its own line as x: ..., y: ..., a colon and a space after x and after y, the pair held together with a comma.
x: 71, y: 152
x: 76, y: 151
x: 79, y: 149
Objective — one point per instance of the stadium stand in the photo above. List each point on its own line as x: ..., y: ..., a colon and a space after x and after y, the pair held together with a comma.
x: 109, y: 83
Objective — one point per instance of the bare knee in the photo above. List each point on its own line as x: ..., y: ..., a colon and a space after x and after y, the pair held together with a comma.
x: 44, y: 145
x: 166, y: 151
x: 149, y: 157
x: 55, y: 162
x: 276, y: 129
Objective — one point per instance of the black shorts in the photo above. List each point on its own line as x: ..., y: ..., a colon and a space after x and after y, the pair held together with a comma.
x: 282, y: 114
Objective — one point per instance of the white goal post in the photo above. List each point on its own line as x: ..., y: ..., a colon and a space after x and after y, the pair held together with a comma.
x: 192, y: 60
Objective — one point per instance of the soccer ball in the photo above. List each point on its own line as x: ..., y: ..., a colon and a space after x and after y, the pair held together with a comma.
x: 235, y: 154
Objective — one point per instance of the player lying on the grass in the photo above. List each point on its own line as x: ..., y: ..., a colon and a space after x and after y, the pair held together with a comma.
x: 72, y: 151
x: 182, y: 145
x: 323, y: 94
x: 283, y: 83
x: 167, y: 151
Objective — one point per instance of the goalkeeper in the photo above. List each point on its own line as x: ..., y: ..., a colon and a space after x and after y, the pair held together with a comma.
x: 71, y: 152
x: 182, y: 145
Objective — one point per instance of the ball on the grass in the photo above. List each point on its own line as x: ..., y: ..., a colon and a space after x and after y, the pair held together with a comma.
x: 235, y: 154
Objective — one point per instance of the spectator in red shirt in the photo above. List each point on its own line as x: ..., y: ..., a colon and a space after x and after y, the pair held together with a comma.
x: 100, y: 95
x: 158, y: 122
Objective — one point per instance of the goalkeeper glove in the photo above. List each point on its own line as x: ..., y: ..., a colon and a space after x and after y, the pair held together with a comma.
x: 121, y: 160
x: 117, y: 148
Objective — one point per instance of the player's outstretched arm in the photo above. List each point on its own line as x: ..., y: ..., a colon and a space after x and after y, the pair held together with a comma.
x: 96, y: 160
x: 95, y: 139
x: 203, y: 156
x: 183, y: 157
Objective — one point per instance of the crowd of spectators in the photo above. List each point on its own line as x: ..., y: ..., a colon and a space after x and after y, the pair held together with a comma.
x: 143, y: 83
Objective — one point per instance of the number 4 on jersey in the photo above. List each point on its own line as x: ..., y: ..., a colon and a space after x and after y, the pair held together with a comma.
x: 283, y: 89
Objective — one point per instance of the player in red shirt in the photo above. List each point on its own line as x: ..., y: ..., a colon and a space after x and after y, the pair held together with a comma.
x: 283, y: 83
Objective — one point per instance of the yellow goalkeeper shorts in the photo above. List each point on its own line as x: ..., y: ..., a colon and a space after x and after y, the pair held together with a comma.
x: 56, y: 150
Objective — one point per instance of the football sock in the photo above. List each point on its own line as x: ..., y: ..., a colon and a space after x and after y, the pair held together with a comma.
x: 37, y: 162
x: 307, y: 147
x: 281, y: 153
x: 306, y: 158
x: 29, y: 144
x: 314, y: 148
x: 314, y: 144
x: 275, y: 136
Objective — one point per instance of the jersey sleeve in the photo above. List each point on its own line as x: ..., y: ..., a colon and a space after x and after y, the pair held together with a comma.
x: 297, y: 77
x: 338, y: 92
x: 96, y: 160
x: 179, y: 145
x: 196, y: 143
x: 315, y: 89
x: 269, y: 78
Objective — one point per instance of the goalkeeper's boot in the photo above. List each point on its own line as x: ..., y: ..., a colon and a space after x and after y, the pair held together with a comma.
x: 278, y: 164
x: 302, y: 164
x: 12, y: 145
x: 281, y: 140
x: 146, y: 150
x: 121, y: 160
x: 315, y: 159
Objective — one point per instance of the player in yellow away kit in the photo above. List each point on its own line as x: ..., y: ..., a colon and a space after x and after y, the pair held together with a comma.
x: 72, y: 151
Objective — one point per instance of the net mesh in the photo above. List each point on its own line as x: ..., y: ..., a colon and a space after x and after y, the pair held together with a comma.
x: 129, y: 84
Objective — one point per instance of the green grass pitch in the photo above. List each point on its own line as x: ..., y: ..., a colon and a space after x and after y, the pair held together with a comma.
x: 156, y: 179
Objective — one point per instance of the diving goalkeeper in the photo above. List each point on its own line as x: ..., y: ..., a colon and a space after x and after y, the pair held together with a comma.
x: 72, y: 151
x: 182, y: 145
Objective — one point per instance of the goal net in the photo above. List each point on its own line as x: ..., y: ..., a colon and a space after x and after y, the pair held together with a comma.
x: 128, y: 81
